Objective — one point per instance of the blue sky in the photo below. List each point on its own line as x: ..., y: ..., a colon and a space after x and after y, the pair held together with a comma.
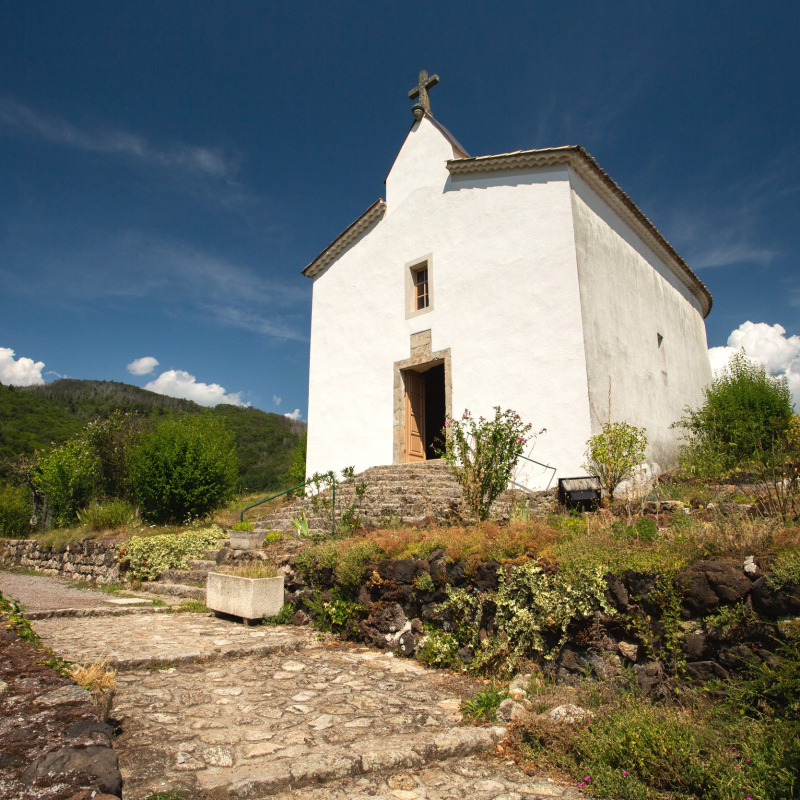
x: 167, y: 169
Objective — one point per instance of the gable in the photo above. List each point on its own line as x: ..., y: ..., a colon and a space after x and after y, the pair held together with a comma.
x: 422, y: 160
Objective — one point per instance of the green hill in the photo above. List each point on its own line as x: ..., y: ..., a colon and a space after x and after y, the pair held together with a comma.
x: 33, y: 417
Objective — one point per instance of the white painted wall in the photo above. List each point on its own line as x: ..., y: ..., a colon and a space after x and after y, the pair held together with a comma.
x: 628, y: 296
x: 506, y: 302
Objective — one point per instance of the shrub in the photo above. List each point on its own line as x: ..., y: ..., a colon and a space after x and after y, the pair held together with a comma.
x: 183, y: 469
x: 15, y: 511
x: 106, y: 516
x: 67, y: 475
x: 614, y: 453
x: 786, y: 569
x: 482, y: 454
x: 638, y: 751
x: 296, y: 474
x: 283, y: 617
x: 111, y: 439
x: 345, y: 560
x: 745, y: 413
x: 146, y: 557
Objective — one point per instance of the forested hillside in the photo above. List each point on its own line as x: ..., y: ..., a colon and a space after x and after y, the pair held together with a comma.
x: 33, y: 417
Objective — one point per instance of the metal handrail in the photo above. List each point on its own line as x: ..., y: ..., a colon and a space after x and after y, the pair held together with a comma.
x: 280, y: 494
x: 286, y: 491
x: 546, y: 466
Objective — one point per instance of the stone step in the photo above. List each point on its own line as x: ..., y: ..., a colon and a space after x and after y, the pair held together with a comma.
x: 271, y: 774
x: 176, y: 589
x: 202, y: 564
x: 184, y: 576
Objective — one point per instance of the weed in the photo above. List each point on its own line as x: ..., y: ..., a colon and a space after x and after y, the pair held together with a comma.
x: 283, y: 617
x: 242, y: 526
x: 483, y: 707
x: 786, y: 569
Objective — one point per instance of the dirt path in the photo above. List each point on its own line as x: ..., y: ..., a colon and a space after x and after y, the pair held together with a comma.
x: 230, y: 711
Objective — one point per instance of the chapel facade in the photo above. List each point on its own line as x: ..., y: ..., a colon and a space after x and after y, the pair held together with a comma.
x: 526, y: 280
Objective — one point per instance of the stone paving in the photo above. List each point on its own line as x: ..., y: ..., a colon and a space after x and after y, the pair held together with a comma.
x: 229, y: 711
x: 45, y: 596
x: 132, y: 642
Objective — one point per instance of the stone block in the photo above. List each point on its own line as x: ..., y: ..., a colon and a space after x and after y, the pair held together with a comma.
x: 249, y: 598
x: 246, y: 540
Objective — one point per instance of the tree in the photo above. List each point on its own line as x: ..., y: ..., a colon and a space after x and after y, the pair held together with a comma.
x: 183, y: 468
x: 614, y: 453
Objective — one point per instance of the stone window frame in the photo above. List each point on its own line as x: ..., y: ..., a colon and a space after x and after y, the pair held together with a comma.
x: 422, y: 355
x: 411, y: 269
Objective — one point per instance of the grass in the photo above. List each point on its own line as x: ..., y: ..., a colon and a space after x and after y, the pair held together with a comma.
x: 98, y: 677
x: 586, y: 541
x: 190, y: 607
x: 257, y: 569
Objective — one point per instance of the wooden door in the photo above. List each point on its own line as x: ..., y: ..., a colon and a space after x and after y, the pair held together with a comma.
x: 415, y: 417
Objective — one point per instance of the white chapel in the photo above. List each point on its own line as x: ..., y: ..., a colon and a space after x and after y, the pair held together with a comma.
x: 526, y: 280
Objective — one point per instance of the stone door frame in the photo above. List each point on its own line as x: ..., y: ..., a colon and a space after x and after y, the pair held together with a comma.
x: 422, y: 359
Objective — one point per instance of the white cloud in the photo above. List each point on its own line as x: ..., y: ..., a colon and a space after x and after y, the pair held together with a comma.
x: 142, y: 366
x: 768, y: 345
x: 202, y: 160
x: 179, y: 383
x: 22, y: 372
x: 276, y: 400
x: 295, y: 415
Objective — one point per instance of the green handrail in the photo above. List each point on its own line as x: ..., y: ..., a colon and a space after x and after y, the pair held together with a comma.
x: 280, y: 494
x: 546, y: 466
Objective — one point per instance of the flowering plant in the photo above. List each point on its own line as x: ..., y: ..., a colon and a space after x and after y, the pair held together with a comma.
x: 483, y: 453
x: 614, y: 453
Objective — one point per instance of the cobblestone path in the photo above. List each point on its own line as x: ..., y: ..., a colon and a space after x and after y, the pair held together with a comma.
x: 228, y: 711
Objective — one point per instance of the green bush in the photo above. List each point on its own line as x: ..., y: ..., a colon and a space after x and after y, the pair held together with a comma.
x: 146, y: 557
x: 111, y: 439
x: 67, y: 475
x: 614, y: 453
x: 106, y: 516
x: 746, y: 414
x: 346, y: 563
x: 482, y: 455
x: 296, y: 474
x: 15, y: 511
x: 183, y: 469
x: 786, y: 569
x: 242, y: 526
x: 638, y: 751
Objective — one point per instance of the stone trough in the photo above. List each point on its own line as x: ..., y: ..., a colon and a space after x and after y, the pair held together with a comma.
x: 249, y: 598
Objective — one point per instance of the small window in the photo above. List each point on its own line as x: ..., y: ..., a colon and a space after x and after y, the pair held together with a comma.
x: 421, y: 288
x: 662, y: 355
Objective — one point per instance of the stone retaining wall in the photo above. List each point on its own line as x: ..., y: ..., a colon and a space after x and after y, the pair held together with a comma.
x: 85, y: 560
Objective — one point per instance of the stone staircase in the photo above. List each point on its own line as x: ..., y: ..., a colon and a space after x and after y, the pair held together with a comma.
x: 396, y: 493
x: 405, y: 494
x: 189, y: 583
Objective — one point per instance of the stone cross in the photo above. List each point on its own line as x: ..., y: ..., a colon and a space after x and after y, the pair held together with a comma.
x: 423, y: 104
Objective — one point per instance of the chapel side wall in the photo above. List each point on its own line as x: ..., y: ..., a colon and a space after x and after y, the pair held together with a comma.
x: 628, y: 297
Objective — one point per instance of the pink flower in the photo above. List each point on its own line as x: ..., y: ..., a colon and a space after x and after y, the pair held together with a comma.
x: 586, y: 779
x: 580, y: 785
x: 624, y: 773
